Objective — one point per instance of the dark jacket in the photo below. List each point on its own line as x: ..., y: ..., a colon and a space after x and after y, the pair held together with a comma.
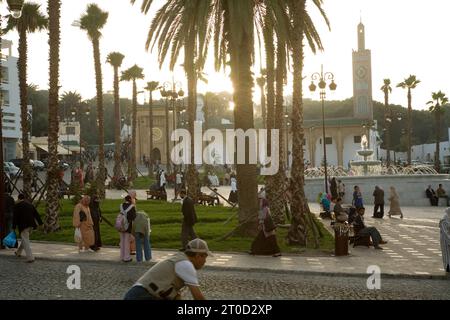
x: 430, y: 193
x: 188, y: 210
x: 379, y: 196
x: 8, y: 205
x: 131, y: 215
x: 25, y: 216
x: 359, y: 222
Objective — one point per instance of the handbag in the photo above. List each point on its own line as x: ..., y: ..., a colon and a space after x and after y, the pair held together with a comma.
x: 77, y: 235
x: 268, y: 223
x: 10, y: 240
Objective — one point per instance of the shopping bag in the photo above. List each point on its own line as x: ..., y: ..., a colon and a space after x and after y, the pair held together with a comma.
x: 10, y: 240
x: 77, y: 235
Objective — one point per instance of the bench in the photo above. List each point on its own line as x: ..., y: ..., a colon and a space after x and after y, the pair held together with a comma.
x: 205, y: 199
x: 359, y: 240
x: 156, y: 195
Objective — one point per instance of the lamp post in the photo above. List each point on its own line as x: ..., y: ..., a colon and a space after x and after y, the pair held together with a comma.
x: 171, y: 89
x: 15, y: 7
x: 286, y: 121
x: 322, y: 79
x: 389, y: 121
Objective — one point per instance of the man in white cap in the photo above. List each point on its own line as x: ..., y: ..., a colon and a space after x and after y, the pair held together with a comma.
x: 444, y: 226
x: 165, y: 279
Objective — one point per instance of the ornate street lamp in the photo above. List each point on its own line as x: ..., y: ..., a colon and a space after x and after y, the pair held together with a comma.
x: 322, y: 79
x: 15, y: 7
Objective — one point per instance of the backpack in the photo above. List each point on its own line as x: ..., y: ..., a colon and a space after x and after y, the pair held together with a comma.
x: 121, y: 224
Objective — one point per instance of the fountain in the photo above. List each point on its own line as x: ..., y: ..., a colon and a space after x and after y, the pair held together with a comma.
x: 365, y: 167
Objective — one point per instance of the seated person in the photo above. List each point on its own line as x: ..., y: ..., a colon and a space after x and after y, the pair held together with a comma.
x: 371, y: 231
x: 431, y: 194
x: 442, y: 194
x: 214, y: 195
x: 338, y: 210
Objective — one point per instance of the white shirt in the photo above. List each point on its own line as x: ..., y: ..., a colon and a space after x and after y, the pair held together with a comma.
x: 233, y: 184
x: 162, y: 179
x: 178, y: 177
x: 186, y: 271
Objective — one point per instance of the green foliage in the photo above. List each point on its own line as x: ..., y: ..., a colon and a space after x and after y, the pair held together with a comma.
x: 166, y: 227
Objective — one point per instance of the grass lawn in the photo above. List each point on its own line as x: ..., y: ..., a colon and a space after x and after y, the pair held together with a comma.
x: 143, y: 182
x: 166, y: 228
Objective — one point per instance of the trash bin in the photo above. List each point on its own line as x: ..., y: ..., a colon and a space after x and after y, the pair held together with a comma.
x: 341, y: 239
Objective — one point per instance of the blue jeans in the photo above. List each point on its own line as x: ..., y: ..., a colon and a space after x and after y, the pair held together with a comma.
x: 147, y: 248
x: 138, y: 293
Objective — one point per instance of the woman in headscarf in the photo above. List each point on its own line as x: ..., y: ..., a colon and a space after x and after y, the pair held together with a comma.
x: 96, y: 215
x: 444, y: 226
x: 394, y: 208
x: 265, y: 242
x: 82, y: 219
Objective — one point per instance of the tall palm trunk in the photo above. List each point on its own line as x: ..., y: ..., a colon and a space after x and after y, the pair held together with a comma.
x: 117, y: 167
x: 192, y: 176
x: 22, y: 67
x: 101, y: 132
x: 408, y: 126
x: 241, y: 75
x: 299, y: 205
x: 277, y: 194
x: 437, y: 155
x: 53, y: 180
x: 133, y: 172
x: 263, y: 104
x: 387, y: 113
x: 150, y: 159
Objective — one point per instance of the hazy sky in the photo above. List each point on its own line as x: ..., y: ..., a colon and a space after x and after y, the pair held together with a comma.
x: 405, y: 36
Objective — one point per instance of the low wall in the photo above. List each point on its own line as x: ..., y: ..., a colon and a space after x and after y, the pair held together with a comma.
x: 410, y: 188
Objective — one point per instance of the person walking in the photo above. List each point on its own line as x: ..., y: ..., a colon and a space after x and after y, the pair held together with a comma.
x: 378, y: 195
x: 341, y: 189
x: 444, y: 226
x: 166, y: 279
x: 141, y: 232
x: 96, y: 214
x: 334, y: 188
x: 357, y: 198
x: 265, y: 242
x: 233, y: 197
x: 26, y: 219
x: 440, y: 192
x: 189, y: 220
x: 431, y: 194
x: 8, y: 209
x: 394, y: 208
x: 82, y: 219
x: 128, y: 210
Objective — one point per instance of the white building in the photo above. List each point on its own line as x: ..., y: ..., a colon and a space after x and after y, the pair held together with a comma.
x: 11, y: 101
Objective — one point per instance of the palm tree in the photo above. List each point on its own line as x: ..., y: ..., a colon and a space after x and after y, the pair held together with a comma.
x: 302, y: 28
x: 183, y: 24
x: 437, y: 107
x: 132, y: 74
x: 92, y: 22
x: 115, y: 60
x: 69, y: 100
x: 151, y: 86
x: 409, y: 83
x: 261, y: 82
x: 32, y: 20
x: 51, y: 223
x: 386, y: 88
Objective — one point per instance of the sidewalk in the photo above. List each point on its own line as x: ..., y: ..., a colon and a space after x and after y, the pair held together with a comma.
x: 413, y: 251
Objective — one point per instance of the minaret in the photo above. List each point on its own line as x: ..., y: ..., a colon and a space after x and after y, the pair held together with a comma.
x: 362, y: 78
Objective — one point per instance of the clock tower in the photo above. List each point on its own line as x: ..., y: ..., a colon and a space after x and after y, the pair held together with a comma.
x: 362, y: 79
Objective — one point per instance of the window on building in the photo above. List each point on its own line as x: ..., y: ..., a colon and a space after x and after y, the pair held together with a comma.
x: 5, y: 78
x: 5, y: 97
x: 357, y: 139
x: 70, y: 130
x: 328, y: 140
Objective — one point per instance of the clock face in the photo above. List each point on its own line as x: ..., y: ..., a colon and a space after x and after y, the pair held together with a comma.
x: 361, y: 72
x: 157, y: 134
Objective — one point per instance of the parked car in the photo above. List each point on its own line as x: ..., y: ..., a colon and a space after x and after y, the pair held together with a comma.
x: 63, y: 165
x: 18, y: 162
x: 11, y: 169
x: 38, y: 165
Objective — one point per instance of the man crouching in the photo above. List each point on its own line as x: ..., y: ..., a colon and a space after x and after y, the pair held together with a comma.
x: 165, y: 279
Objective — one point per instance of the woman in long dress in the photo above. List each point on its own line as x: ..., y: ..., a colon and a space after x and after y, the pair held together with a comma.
x: 265, y: 242
x: 444, y: 226
x: 394, y: 209
x: 82, y: 219
x: 96, y: 215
